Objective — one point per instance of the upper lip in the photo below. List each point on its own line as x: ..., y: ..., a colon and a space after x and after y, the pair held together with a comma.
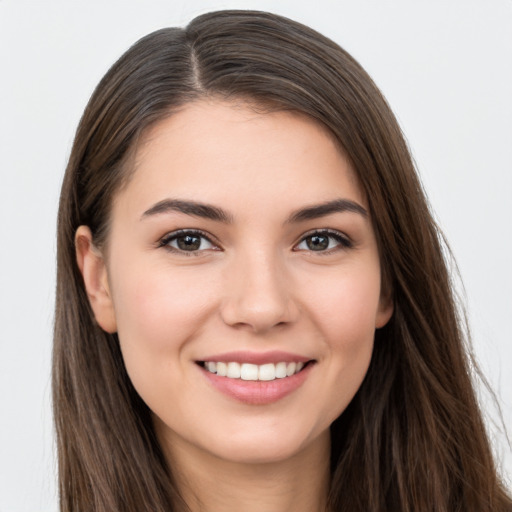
x: 259, y: 358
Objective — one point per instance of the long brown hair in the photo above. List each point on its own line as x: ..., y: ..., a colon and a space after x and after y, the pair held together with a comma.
x: 413, y: 438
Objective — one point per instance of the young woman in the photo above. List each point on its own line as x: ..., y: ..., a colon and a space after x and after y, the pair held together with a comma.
x: 253, y: 309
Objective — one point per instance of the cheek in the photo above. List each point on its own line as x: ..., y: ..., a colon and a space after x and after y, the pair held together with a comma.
x: 345, y: 316
x: 157, y: 311
x: 346, y: 306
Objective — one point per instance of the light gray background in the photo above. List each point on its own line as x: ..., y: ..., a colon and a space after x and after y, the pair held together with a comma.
x: 446, y: 69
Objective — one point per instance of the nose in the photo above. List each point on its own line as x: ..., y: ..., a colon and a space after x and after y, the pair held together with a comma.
x: 258, y: 295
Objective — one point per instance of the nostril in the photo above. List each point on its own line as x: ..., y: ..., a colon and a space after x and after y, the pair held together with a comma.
x: 260, y: 317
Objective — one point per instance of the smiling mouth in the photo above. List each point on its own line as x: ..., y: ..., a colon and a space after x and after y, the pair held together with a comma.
x: 254, y: 372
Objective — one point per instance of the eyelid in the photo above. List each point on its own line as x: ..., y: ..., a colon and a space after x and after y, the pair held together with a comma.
x: 168, y: 237
x: 344, y: 241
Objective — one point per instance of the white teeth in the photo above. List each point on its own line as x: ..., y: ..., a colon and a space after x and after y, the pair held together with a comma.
x: 222, y: 369
x: 290, y: 369
x: 280, y: 370
x: 247, y: 371
x: 233, y: 371
x: 267, y: 372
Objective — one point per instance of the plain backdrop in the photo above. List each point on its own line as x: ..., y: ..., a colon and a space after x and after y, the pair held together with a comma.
x: 445, y: 67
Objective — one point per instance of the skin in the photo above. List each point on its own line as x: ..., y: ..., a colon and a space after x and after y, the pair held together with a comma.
x: 255, y: 286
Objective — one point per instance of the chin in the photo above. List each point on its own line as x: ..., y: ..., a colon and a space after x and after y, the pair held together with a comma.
x: 259, y: 452
x: 266, y: 447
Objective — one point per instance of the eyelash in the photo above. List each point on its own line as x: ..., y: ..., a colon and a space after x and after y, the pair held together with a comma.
x: 175, y: 235
x: 343, y: 242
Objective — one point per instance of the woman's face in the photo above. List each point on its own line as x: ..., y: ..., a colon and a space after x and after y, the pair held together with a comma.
x: 241, y: 245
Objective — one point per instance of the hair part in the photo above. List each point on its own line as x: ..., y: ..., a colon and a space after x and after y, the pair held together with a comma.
x: 413, y: 437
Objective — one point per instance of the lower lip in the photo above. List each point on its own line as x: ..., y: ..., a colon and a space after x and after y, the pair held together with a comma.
x: 257, y: 392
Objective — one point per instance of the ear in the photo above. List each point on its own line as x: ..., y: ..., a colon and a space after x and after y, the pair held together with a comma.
x: 385, y: 311
x: 94, y: 272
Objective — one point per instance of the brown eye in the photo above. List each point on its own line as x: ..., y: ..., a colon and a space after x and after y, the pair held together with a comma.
x: 324, y: 241
x: 317, y: 242
x: 187, y: 242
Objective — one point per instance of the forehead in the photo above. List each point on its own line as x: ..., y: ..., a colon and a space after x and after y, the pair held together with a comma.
x: 223, y: 152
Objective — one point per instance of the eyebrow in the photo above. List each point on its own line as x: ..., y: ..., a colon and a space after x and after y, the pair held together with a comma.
x: 324, y: 209
x: 207, y: 211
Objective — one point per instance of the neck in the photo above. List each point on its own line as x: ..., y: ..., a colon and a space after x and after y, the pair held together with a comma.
x: 210, y: 484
